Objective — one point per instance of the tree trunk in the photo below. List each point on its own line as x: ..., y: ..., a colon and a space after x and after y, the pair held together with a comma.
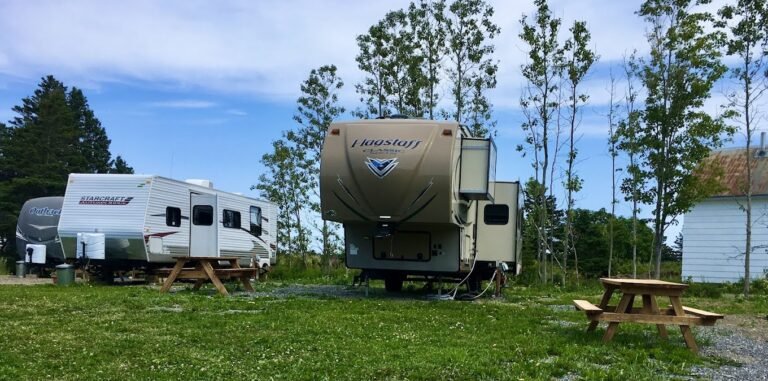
x: 658, y: 242
x: 748, y: 244
x: 326, y: 249
x: 634, y: 237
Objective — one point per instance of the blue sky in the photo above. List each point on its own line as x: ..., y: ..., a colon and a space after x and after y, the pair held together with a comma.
x: 199, y: 89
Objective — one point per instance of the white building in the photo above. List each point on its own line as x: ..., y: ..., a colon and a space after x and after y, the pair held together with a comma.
x: 714, y: 231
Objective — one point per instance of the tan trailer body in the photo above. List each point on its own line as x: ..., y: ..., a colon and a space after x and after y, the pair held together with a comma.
x: 407, y: 201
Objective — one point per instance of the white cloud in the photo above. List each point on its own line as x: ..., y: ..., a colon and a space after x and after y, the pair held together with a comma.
x: 251, y: 47
x: 183, y: 103
x: 236, y: 112
x: 263, y: 48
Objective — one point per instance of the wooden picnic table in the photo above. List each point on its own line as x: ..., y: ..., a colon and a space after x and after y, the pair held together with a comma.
x: 648, y: 290
x: 209, y: 269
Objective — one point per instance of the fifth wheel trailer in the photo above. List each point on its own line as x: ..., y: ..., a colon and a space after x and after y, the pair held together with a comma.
x: 137, y: 220
x: 419, y: 197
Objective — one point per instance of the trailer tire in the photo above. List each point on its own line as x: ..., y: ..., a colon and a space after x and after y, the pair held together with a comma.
x: 393, y: 283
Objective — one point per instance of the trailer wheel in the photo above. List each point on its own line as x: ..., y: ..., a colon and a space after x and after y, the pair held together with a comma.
x: 393, y: 283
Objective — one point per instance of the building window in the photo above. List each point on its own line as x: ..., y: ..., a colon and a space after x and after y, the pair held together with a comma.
x: 172, y: 216
x: 496, y: 214
x: 231, y: 219
x: 202, y: 215
x: 256, y: 221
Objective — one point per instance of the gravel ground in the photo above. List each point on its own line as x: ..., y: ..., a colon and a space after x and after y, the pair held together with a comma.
x: 741, y: 340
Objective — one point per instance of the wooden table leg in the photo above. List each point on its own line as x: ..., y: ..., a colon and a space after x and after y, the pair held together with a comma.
x: 624, y: 304
x: 198, y: 284
x: 603, y: 303
x: 212, y: 276
x: 172, y: 276
x: 246, y: 281
x: 654, y: 308
x: 677, y: 305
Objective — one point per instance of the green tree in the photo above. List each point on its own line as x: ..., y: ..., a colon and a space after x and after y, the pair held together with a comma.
x: 94, y: 143
x: 613, y: 151
x: 285, y: 183
x: 675, y: 134
x: 317, y: 108
x: 53, y: 134
x: 120, y: 166
x: 403, y: 65
x: 371, y: 60
x: 532, y: 230
x: 391, y: 56
x: 540, y: 102
x: 746, y: 23
x: 632, y: 184
x: 428, y: 20
x: 578, y: 61
x: 470, y: 70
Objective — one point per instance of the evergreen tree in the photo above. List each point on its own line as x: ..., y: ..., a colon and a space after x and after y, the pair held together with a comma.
x: 53, y: 134
x: 120, y: 166
x: 94, y: 144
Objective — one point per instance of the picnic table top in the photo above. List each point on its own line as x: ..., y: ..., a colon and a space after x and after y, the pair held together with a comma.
x: 647, y: 283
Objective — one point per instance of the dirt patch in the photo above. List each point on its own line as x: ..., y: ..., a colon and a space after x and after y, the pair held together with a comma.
x: 29, y: 280
x: 753, y: 326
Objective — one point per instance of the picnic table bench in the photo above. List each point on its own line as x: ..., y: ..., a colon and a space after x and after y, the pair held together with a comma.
x: 648, y: 290
x: 204, y: 269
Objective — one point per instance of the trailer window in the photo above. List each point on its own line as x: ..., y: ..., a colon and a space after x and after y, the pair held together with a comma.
x: 496, y: 214
x: 231, y: 219
x: 172, y: 216
x: 256, y: 221
x: 202, y: 215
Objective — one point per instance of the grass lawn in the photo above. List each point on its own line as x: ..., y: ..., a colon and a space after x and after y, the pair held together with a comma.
x: 134, y: 332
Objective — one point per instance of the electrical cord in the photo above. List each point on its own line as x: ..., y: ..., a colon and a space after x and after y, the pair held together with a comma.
x: 471, y: 270
x: 490, y: 283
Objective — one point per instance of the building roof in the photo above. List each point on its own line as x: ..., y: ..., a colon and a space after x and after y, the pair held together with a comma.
x: 730, y: 166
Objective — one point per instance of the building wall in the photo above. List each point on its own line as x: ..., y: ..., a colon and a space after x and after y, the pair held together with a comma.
x: 714, y: 238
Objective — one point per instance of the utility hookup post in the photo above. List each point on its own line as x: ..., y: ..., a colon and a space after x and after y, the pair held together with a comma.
x: 498, y: 276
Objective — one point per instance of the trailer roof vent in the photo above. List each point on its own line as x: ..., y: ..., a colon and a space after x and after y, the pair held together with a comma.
x: 201, y: 182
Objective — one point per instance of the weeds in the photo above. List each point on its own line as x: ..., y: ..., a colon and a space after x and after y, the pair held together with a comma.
x: 136, y: 333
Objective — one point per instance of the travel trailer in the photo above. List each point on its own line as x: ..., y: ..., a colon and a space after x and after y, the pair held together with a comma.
x: 134, y: 220
x: 419, y: 197
x: 37, y: 229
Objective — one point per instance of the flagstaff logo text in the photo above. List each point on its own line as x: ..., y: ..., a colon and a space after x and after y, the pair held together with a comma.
x: 105, y: 200
x: 405, y: 144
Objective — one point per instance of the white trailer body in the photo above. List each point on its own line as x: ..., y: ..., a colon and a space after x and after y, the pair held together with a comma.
x: 151, y: 219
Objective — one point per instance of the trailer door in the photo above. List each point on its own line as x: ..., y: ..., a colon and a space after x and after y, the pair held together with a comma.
x: 203, y: 231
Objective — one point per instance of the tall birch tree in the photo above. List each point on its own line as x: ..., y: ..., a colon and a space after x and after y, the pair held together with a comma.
x: 540, y: 102
x: 746, y: 23
x: 578, y: 61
